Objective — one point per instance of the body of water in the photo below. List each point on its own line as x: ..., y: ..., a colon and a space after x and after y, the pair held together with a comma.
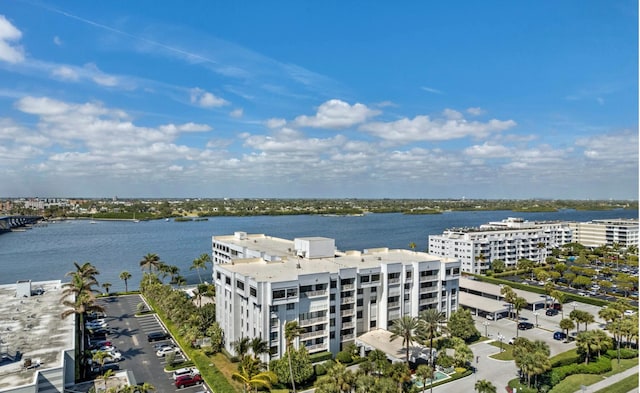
x: 48, y: 253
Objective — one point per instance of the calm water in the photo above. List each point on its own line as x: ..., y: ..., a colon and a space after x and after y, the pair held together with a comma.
x: 49, y: 252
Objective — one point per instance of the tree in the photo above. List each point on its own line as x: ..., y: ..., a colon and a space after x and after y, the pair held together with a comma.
x: 405, y: 327
x: 251, y: 377
x: 498, y: 265
x: 432, y: 322
x: 125, y: 276
x: 518, y: 304
x: 258, y: 346
x: 200, y: 263
x: 509, y: 296
x: 484, y: 386
x: 299, y: 370
x: 241, y: 347
x: 461, y: 325
x: 379, y: 362
x: 567, y: 324
x: 424, y: 372
x: 338, y: 379
x: 150, y: 261
x: 100, y: 357
x: 412, y: 246
x: 291, y: 331
x: 106, y: 286
x: 560, y: 298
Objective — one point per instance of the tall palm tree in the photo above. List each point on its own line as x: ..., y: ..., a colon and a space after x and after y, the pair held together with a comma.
x: 291, y: 331
x: 150, y: 261
x: 432, y: 321
x: 200, y: 263
x: 518, y: 304
x: 484, y: 386
x: 87, y: 271
x: 560, y: 297
x: 258, y: 346
x: 509, y: 296
x: 125, y: 276
x: 405, y: 327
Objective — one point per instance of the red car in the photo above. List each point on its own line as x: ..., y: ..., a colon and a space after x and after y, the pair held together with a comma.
x: 188, y: 380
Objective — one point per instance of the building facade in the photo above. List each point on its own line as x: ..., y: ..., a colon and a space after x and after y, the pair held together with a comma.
x: 596, y: 233
x: 263, y: 282
x: 508, y: 240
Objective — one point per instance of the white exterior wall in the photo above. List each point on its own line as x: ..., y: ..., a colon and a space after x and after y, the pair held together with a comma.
x: 362, y: 299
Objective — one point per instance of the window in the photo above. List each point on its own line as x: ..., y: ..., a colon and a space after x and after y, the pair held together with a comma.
x: 273, y: 308
x: 375, y: 277
x: 334, y: 283
x: 291, y: 306
x: 332, y: 335
x: 365, y: 278
x: 372, y: 324
x: 374, y: 290
x: 227, y: 280
x: 374, y: 300
x: 218, y: 275
x: 359, y: 302
x: 240, y: 285
x: 292, y: 292
x: 279, y: 294
x: 408, y: 274
x: 360, y: 291
x: 359, y: 314
x: 332, y: 296
x: 253, y: 291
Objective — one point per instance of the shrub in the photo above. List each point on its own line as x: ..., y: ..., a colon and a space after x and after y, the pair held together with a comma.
x: 600, y: 366
x: 625, y: 353
x: 344, y: 357
x: 320, y: 369
x: 320, y: 357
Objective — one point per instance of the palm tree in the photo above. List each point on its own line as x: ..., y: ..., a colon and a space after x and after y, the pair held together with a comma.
x: 291, y: 331
x: 86, y: 271
x: 150, y: 261
x: 125, y: 276
x: 484, y: 386
x: 106, y: 286
x: 509, y: 296
x: 258, y: 346
x: 412, y: 246
x: 567, y: 324
x: 518, y: 304
x: 200, y: 263
x: 241, y: 347
x: 405, y: 327
x: 432, y: 321
x: 560, y: 297
x: 424, y: 372
x: 100, y: 357
x: 105, y: 377
x: 249, y: 376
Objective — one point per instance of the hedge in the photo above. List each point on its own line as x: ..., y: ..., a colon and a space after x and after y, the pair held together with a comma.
x: 600, y: 366
x: 320, y: 357
x: 625, y: 353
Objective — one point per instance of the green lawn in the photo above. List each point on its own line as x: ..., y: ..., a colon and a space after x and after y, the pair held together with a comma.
x: 569, y: 384
x: 623, y: 386
x: 507, y: 354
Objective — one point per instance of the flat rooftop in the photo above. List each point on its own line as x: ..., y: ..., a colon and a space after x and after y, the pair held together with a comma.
x: 31, y: 327
x: 494, y: 290
x: 290, y: 267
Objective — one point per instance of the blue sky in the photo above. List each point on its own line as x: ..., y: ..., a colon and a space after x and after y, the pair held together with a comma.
x: 319, y: 99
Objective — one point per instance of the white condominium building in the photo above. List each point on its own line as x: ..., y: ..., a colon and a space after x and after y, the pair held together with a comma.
x: 508, y: 240
x: 606, y: 232
x: 263, y: 282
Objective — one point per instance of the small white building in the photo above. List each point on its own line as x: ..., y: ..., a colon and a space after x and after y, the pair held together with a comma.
x: 263, y: 282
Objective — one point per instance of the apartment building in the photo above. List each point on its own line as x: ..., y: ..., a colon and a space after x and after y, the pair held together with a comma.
x: 606, y: 232
x: 263, y: 282
x: 509, y: 240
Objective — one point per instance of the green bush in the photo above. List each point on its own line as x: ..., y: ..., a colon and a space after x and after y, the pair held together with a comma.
x: 319, y: 369
x: 566, y: 361
x: 320, y: 357
x: 625, y: 353
x: 344, y: 357
x: 600, y: 366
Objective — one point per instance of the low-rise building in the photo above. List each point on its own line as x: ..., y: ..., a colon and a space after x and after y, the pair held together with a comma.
x: 596, y: 233
x: 263, y: 282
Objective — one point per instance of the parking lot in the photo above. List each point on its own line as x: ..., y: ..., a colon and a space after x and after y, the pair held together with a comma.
x: 128, y: 334
x: 546, y: 326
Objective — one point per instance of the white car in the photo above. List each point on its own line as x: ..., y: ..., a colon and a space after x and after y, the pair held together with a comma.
x: 629, y: 313
x: 166, y: 350
x: 112, y: 355
x: 185, y: 371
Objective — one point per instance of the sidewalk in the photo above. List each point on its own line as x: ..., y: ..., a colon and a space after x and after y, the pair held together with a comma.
x: 609, y: 381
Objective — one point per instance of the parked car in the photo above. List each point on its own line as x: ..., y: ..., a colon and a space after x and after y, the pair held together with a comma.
x: 157, y: 347
x: 157, y: 336
x: 551, y: 312
x: 525, y: 325
x: 557, y: 306
x: 166, y: 350
x: 95, y: 368
x: 559, y: 336
x: 188, y: 380
x: 185, y: 371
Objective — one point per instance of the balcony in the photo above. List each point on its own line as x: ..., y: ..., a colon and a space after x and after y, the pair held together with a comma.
x: 312, y: 321
x: 348, y: 325
x: 316, y: 347
x: 346, y: 313
x: 349, y: 336
x: 394, y: 281
x: 433, y: 300
x: 347, y: 286
x: 429, y: 278
x: 346, y: 300
x: 393, y: 305
x: 314, y: 334
x: 311, y: 294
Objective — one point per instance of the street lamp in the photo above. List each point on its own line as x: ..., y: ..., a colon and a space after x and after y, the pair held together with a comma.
x: 536, y: 314
x: 486, y: 325
x: 500, y: 338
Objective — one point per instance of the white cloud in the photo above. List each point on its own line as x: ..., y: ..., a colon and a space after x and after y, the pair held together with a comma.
x: 431, y: 90
x: 336, y: 114
x: 423, y: 128
x: 477, y: 111
x: 205, y: 99
x: 65, y: 73
x: 57, y: 40
x: 9, y: 34
x: 617, y: 147
x: 488, y: 150
x: 100, y: 77
x: 275, y: 123
x: 236, y: 113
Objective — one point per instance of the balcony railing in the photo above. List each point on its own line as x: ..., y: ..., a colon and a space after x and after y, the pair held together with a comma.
x: 347, y: 325
x: 312, y: 321
x: 313, y: 334
x: 429, y: 278
x: 394, y: 280
x: 347, y: 286
x: 393, y: 305
x: 347, y: 336
x: 346, y: 313
x: 346, y: 300
x: 316, y: 347
x: 319, y: 293
x: 433, y: 300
